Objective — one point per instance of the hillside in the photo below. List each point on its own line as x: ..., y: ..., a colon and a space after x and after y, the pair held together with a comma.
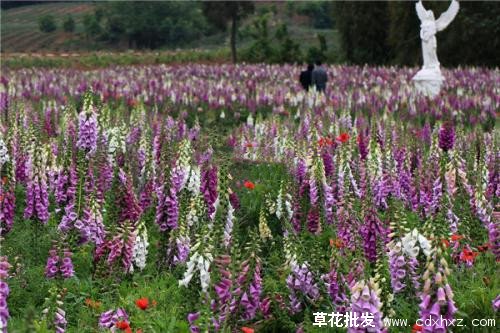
x: 20, y: 32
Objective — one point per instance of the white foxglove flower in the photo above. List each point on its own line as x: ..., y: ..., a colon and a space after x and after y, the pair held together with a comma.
x: 194, y: 182
x: 140, y: 250
x: 409, y: 242
x: 250, y: 120
x: 424, y: 245
x: 4, y: 153
x: 228, y: 228
x: 188, y: 275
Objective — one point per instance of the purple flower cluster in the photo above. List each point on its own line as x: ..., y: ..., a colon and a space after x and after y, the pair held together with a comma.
x: 370, y: 231
x: 496, y: 303
x: 335, y: 289
x: 55, y: 265
x: 208, y: 188
x: 494, y: 235
x: 192, y: 317
x: 397, y: 264
x: 87, y: 131
x: 251, y: 301
x: 437, y: 298
x: 60, y: 321
x: 301, y: 280
x: 37, y: 196
x: 446, y: 136
x: 108, y: 319
x: 365, y: 299
x: 4, y: 294
x: 313, y: 221
x: 7, y: 206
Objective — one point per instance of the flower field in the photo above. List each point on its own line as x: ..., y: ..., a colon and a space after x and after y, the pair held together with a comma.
x: 204, y: 198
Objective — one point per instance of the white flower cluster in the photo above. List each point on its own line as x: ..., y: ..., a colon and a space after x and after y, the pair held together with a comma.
x: 4, y: 153
x: 140, y: 250
x: 228, y: 228
x: 184, y: 162
x: 197, y: 261
x: 194, y: 182
x: 116, y: 142
x: 410, y: 246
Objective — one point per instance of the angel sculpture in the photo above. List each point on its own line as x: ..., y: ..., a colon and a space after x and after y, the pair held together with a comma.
x: 429, y: 78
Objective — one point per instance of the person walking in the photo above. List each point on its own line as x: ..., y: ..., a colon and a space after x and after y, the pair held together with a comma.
x: 305, y: 77
x: 319, y: 77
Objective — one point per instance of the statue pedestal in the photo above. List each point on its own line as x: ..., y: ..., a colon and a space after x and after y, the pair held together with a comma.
x: 428, y: 81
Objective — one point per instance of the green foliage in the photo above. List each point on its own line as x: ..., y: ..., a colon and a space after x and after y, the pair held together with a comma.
x: 69, y: 24
x: 363, y: 30
x: 47, y: 23
x: 147, y: 24
x: 314, y: 53
x: 319, y: 13
x: 220, y: 13
x: 91, y: 26
x: 280, y: 49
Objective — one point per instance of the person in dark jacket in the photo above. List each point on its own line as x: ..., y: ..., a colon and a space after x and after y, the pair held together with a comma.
x: 319, y: 77
x: 305, y: 77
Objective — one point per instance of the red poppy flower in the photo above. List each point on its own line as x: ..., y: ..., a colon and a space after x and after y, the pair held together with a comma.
x: 343, y: 137
x: 247, y: 329
x: 142, y: 303
x: 324, y: 141
x: 468, y: 255
x: 417, y: 328
x: 249, y: 185
x: 249, y: 145
x: 445, y: 242
x: 456, y: 237
x: 123, y: 325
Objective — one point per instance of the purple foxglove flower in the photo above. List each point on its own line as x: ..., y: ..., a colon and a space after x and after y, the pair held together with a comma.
x: 67, y: 265
x: 366, y: 301
x: 209, y: 189
x: 7, y: 206
x: 108, y: 319
x: 87, y: 131
x: 496, y: 303
x: 327, y: 162
x: 51, y: 269
x: 446, y: 136
x: 4, y: 294
x: 313, y: 221
x: 370, y: 231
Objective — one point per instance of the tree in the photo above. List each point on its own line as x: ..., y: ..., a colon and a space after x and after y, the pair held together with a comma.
x: 47, y: 23
x: 220, y: 13
x: 91, y: 26
x: 319, y: 13
x: 69, y: 24
x: 152, y: 24
x: 363, y: 28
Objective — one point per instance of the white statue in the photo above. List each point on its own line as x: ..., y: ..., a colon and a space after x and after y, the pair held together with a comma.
x: 429, y: 79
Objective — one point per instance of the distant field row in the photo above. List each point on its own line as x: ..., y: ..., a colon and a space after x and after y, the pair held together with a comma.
x: 88, y: 60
